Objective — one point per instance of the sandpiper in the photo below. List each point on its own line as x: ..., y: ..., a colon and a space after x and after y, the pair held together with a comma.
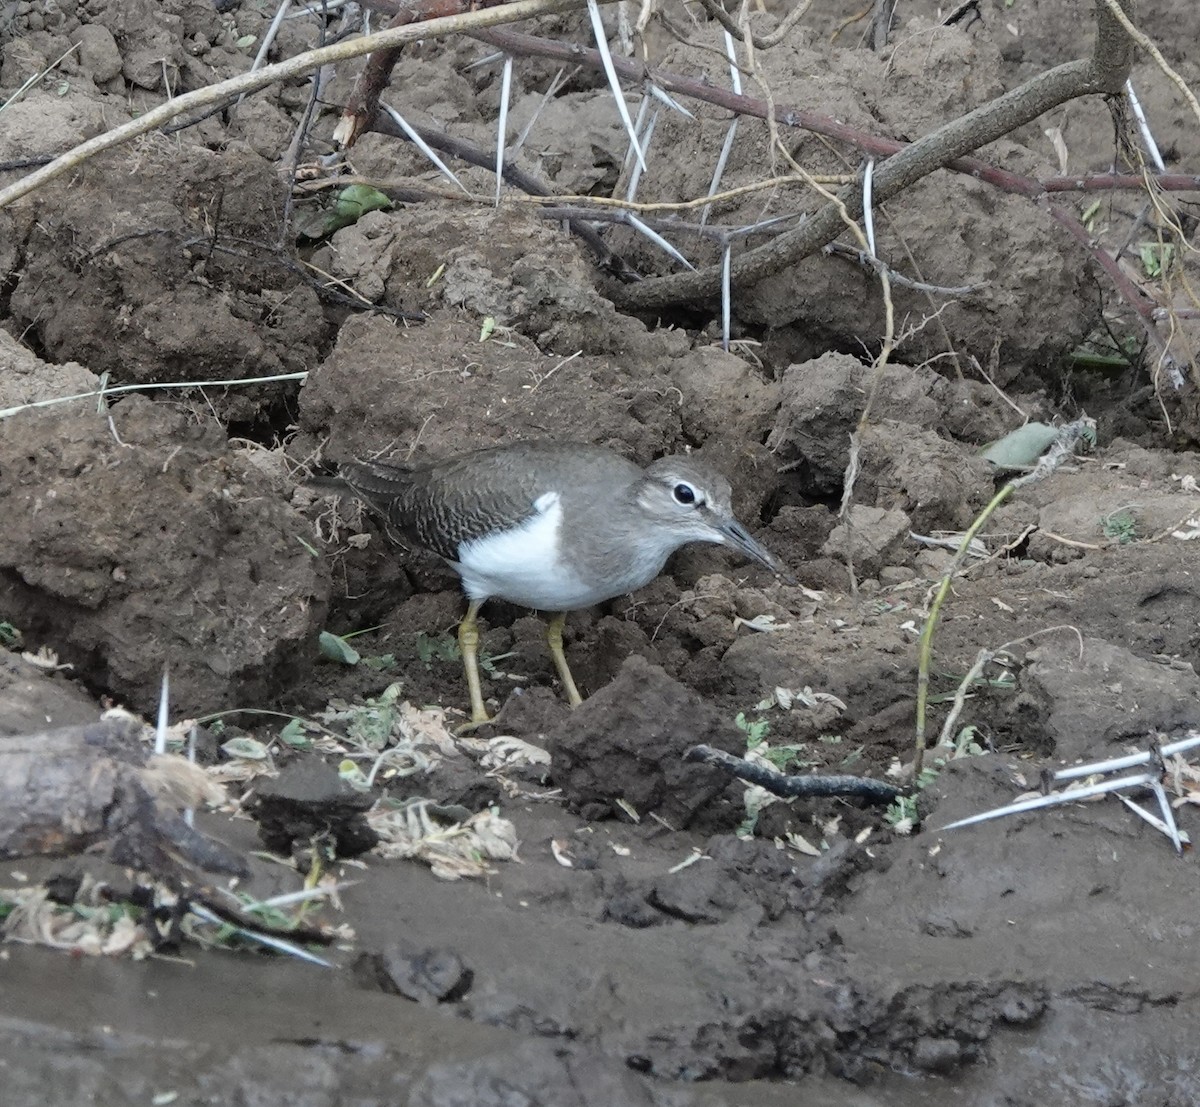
x: 551, y: 526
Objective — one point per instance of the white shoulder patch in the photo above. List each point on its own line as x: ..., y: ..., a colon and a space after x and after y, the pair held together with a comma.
x: 522, y: 565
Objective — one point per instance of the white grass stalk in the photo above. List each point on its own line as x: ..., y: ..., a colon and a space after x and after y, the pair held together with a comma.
x: 726, y: 293
x: 1128, y: 762
x: 614, y: 81
x: 665, y: 97
x: 719, y: 171
x: 635, y: 177
x: 423, y: 146
x: 502, y: 122
x: 638, y: 123
x: 287, y: 899
x: 487, y: 59
x: 555, y: 85
x: 735, y: 81
x: 272, y: 32
x: 317, y: 9
x: 1135, y: 106
x: 38, y: 77
x: 1140, y: 780
x: 868, y: 202
x: 164, y: 710
x: 290, y: 948
x: 657, y: 239
x: 189, y: 814
x: 6, y: 412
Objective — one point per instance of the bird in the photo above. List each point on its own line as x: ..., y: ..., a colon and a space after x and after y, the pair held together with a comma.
x: 553, y: 526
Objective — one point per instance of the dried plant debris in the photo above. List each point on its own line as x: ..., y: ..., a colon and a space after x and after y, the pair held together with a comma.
x: 248, y: 759
x: 92, y: 923
x: 89, y: 916
x: 385, y: 720
x: 506, y: 751
x: 454, y: 842
x: 386, y: 740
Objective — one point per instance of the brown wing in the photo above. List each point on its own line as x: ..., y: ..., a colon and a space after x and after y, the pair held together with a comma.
x: 443, y: 505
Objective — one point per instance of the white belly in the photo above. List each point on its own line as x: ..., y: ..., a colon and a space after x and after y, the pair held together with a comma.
x: 522, y: 565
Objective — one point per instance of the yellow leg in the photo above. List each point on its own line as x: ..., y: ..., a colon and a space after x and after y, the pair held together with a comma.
x: 468, y: 645
x: 554, y: 629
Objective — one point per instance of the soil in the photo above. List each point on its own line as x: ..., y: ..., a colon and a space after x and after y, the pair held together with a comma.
x: 648, y: 943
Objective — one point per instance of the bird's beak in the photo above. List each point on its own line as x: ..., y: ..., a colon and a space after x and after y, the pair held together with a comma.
x: 735, y: 535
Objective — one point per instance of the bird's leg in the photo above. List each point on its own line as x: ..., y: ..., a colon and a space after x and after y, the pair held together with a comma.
x: 468, y: 646
x: 554, y: 629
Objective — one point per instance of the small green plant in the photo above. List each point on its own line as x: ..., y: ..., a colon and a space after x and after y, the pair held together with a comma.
x: 964, y: 745
x: 782, y: 758
x: 787, y: 758
x: 1121, y: 526
x: 371, y: 723
x: 1156, y: 258
x: 902, y: 814
x: 295, y: 734
x: 436, y: 647
x: 929, y: 773
x: 9, y: 635
x: 1005, y: 681
x: 756, y: 732
x: 853, y: 757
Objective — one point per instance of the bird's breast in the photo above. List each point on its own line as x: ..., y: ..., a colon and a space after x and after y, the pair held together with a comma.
x: 538, y: 565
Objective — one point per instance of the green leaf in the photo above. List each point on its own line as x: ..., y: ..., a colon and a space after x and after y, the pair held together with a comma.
x: 756, y: 731
x: 350, y: 205
x: 1156, y: 257
x: 336, y: 648
x: 295, y: 735
x: 246, y: 41
x: 1021, y: 448
x: 247, y: 749
x: 354, y: 201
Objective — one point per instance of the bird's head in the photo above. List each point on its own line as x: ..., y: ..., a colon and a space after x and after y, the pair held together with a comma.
x: 685, y: 501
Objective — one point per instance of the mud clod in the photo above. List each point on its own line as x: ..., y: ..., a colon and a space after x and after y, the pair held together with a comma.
x: 308, y: 801
x: 626, y: 743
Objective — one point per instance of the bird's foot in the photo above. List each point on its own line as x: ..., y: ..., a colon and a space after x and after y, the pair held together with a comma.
x: 472, y: 726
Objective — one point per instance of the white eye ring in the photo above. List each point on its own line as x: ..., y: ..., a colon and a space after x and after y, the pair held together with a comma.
x: 685, y: 495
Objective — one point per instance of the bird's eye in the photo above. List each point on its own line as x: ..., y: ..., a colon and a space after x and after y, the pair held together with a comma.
x: 684, y: 494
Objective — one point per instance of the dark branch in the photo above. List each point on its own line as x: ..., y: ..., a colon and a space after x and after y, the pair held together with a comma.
x: 779, y: 784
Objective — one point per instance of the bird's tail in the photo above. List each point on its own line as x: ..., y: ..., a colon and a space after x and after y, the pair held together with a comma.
x: 376, y: 483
